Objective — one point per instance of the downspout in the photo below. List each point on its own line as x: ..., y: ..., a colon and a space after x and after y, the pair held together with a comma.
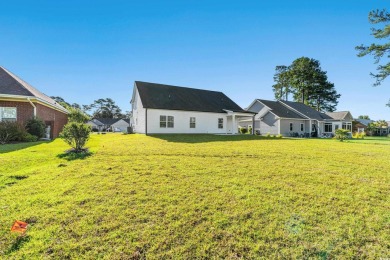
x: 35, y: 108
x: 146, y: 121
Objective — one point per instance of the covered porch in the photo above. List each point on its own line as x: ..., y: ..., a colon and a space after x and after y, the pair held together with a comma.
x: 234, y: 117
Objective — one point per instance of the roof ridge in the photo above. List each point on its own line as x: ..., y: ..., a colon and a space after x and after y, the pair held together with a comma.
x: 177, y: 86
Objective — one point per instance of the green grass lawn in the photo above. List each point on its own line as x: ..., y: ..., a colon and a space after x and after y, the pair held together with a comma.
x: 180, y: 197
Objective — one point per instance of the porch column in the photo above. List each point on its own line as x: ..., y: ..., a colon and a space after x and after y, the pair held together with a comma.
x: 234, y: 124
x: 253, y: 125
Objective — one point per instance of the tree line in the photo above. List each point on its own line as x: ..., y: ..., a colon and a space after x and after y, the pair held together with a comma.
x: 100, y: 108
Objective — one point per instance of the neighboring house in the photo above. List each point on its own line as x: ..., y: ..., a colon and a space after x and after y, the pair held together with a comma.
x: 20, y: 102
x: 158, y: 108
x: 294, y: 119
x: 109, y: 124
x: 361, y: 125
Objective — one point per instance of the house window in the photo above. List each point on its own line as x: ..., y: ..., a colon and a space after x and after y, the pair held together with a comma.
x: 291, y: 127
x: 170, y: 121
x: 336, y: 127
x: 7, y: 113
x: 347, y: 126
x: 192, y: 122
x: 220, y: 123
x: 163, y: 121
x: 328, y: 127
x: 302, y: 128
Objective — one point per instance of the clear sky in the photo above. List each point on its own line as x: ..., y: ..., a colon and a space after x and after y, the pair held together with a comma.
x: 85, y: 50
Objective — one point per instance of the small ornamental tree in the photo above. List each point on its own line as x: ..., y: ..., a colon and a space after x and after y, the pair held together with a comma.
x: 76, y: 135
x: 76, y: 115
x: 342, y: 134
x: 76, y: 132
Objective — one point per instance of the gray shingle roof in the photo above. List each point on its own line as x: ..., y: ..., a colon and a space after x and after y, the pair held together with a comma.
x: 280, y: 110
x: 307, y: 110
x: 10, y: 84
x: 107, y: 121
x: 160, y: 96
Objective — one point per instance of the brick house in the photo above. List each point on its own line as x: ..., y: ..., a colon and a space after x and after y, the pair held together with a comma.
x: 20, y: 102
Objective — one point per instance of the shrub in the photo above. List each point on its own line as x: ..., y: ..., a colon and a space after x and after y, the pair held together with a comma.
x: 279, y: 136
x: 249, y: 130
x: 76, y: 115
x: 36, y: 127
x: 10, y: 131
x: 268, y: 135
x: 341, y: 134
x: 243, y: 130
x: 76, y: 135
x: 29, y: 138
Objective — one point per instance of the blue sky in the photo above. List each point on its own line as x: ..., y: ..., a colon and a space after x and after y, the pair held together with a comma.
x: 85, y: 50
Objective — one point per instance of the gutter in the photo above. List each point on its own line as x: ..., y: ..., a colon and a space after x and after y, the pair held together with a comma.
x: 44, y: 102
x: 35, y: 108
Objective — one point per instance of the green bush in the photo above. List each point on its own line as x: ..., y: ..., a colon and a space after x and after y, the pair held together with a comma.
x: 268, y: 135
x: 29, y: 138
x: 36, y: 127
x: 279, y: 136
x: 341, y: 134
x: 243, y: 130
x: 76, y: 135
x: 249, y: 130
x: 10, y: 131
x: 76, y: 115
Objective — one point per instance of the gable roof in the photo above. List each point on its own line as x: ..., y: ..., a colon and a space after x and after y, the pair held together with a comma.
x: 280, y: 110
x: 365, y: 122
x: 160, y: 96
x: 106, y: 121
x: 307, y: 111
x: 338, y: 115
x: 12, y: 85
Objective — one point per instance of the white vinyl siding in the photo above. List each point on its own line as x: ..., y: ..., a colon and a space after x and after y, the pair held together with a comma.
x: 205, y: 122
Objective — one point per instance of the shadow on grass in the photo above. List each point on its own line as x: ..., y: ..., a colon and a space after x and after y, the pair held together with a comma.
x: 7, y: 148
x: 71, y: 155
x: 19, y: 242
x: 206, y: 138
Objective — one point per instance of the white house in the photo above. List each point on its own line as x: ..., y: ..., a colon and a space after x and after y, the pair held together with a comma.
x: 109, y: 124
x: 295, y: 119
x: 163, y: 109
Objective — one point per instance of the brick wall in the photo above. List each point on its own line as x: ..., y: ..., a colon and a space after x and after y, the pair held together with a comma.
x: 56, y: 118
x: 25, y: 111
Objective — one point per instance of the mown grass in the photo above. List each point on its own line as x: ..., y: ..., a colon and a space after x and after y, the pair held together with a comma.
x: 186, y: 196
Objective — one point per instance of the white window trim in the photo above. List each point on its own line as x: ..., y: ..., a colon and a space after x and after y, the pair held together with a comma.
x: 1, y: 113
x: 328, y: 124
x: 192, y: 117
x: 221, y: 118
